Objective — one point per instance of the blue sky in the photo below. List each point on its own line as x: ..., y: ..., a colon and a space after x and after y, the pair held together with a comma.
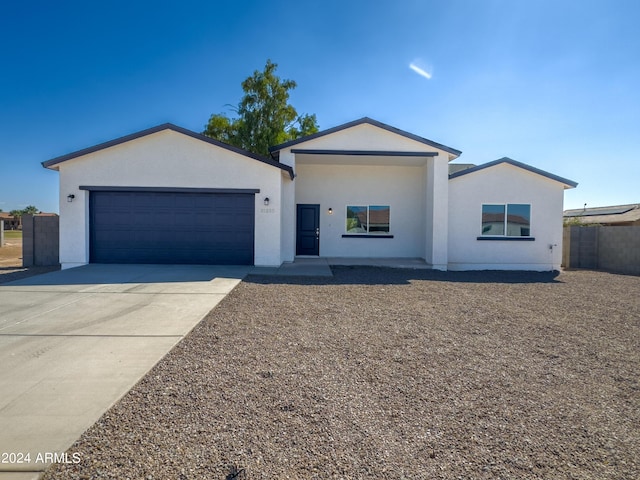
x: 554, y: 84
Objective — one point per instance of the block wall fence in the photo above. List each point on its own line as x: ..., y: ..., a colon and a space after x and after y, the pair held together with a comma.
x: 615, y: 249
x: 40, y: 240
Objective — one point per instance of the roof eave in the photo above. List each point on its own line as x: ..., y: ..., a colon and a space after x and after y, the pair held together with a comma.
x: 52, y: 164
x: 565, y: 181
x: 366, y: 120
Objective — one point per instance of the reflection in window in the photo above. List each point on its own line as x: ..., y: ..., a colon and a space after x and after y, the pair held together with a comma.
x: 518, y: 220
x: 492, y: 219
x: 511, y: 220
x: 356, y: 219
x: 367, y: 219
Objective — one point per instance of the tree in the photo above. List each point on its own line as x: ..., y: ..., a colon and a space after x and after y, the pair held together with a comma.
x: 17, y: 214
x: 30, y: 210
x: 265, y: 117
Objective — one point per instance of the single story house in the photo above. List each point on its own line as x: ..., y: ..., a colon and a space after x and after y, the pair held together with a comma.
x: 362, y: 189
x: 614, y: 215
x: 10, y: 222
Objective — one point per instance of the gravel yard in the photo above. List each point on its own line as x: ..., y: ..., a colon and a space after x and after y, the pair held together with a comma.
x: 382, y: 373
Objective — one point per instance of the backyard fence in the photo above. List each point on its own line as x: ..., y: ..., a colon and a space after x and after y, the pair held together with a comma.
x: 40, y: 240
x: 611, y: 248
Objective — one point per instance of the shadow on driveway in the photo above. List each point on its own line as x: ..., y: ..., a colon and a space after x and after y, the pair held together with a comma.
x: 95, y: 274
x: 11, y: 274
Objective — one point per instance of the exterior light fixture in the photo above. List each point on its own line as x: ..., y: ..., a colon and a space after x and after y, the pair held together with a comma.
x: 266, y: 200
x: 70, y: 197
x: 330, y: 211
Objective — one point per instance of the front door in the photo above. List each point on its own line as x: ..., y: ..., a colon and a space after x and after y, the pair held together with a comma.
x: 308, y: 230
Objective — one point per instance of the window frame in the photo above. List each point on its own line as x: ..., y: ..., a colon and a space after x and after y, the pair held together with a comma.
x: 367, y: 234
x: 505, y: 235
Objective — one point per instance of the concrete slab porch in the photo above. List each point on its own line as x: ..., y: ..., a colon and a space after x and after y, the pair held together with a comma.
x: 321, y: 266
x: 390, y: 262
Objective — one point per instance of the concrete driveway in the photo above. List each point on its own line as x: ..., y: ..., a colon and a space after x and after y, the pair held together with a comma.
x: 73, y: 342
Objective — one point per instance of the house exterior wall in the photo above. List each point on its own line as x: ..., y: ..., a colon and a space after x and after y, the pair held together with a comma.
x: 288, y: 216
x: 416, y: 191
x: 437, y: 211
x: 167, y: 159
x: 504, y: 183
x: 336, y: 186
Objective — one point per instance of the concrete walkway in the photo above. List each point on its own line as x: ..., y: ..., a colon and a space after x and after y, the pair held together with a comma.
x: 73, y: 342
x: 305, y: 267
x: 321, y: 266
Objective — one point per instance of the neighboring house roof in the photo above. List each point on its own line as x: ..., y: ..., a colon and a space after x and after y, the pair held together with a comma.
x: 567, y: 183
x: 165, y: 126
x: 459, y: 167
x: 499, y: 218
x: 376, y: 217
x: 5, y: 217
x: 370, y: 121
x: 606, y: 215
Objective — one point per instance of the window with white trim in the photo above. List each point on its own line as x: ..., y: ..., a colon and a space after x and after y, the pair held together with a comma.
x: 506, y: 220
x: 367, y: 219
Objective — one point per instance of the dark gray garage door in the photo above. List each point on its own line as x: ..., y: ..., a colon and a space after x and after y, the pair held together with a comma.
x: 172, y: 228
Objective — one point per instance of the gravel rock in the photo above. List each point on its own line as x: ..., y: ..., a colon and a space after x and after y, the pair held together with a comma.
x: 383, y: 373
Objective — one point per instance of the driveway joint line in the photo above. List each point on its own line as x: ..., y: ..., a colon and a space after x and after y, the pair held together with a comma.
x: 107, y: 335
x: 40, y: 314
x: 117, y: 292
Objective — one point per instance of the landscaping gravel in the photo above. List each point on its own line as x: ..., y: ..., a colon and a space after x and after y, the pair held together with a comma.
x: 382, y: 373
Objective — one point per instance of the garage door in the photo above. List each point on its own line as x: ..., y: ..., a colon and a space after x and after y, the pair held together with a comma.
x: 172, y: 227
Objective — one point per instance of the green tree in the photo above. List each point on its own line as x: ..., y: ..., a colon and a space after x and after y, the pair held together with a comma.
x: 265, y: 117
x: 17, y: 215
x: 30, y: 210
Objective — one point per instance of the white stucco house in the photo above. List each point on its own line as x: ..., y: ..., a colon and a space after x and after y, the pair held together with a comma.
x: 362, y: 189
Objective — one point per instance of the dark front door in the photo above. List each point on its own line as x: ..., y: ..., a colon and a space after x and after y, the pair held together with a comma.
x: 308, y: 230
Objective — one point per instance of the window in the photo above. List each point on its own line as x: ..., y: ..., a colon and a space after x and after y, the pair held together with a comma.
x: 507, y: 220
x: 367, y: 219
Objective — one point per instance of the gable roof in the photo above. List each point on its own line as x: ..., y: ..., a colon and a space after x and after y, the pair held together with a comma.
x: 567, y: 183
x: 370, y: 121
x: 165, y: 126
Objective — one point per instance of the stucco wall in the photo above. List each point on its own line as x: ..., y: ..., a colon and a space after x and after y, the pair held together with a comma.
x: 504, y: 184
x: 288, y: 213
x: 167, y: 159
x: 336, y: 186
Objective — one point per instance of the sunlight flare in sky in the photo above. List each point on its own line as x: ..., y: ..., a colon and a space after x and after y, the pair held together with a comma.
x: 420, y: 71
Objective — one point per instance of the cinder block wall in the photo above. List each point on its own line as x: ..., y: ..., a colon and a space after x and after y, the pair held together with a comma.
x: 580, y: 247
x: 40, y: 240
x: 616, y: 249
x: 619, y: 249
x: 27, y: 241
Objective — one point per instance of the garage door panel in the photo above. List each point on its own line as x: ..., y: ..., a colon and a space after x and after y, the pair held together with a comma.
x: 166, y: 227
